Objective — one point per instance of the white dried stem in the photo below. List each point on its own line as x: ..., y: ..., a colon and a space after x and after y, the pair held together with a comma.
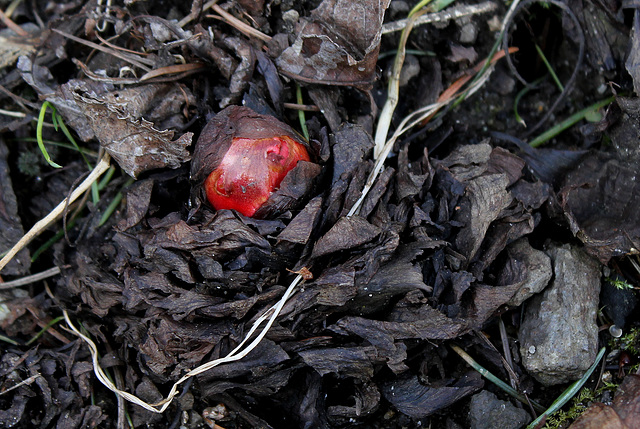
x: 442, y: 16
x: 407, y: 123
x: 236, y: 354
x: 43, y: 223
x: 393, y: 93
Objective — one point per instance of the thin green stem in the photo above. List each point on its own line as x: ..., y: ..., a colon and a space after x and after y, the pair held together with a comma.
x: 43, y: 111
x: 417, y: 52
x: 570, y: 121
x: 110, y: 208
x: 107, y: 178
x: 569, y: 393
x: 114, y: 204
x: 301, y: 115
x: 495, y: 380
x: 129, y: 420
x: 43, y: 330
x: 50, y: 242
x: 519, y: 96
x: 59, y: 144
x: 424, y: 3
x: 550, y: 69
x: 95, y: 195
x: 69, y: 137
x: 8, y: 340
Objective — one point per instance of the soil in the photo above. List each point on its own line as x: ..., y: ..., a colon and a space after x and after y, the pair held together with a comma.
x: 162, y: 283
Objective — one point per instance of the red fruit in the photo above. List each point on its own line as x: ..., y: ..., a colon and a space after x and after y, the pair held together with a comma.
x: 250, y: 171
x: 241, y: 160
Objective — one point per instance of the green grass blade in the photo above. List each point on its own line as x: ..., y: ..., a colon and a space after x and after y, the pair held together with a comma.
x: 64, y: 145
x: 417, y: 7
x: 107, y: 178
x: 519, y: 96
x: 43, y: 330
x: 50, y: 242
x: 39, y: 126
x: 495, y: 380
x: 570, y: 121
x: 301, y: 115
x: 8, y: 340
x: 550, y: 69
x: 114, y: 204
x: 569, y: 393
x: 110, y: 209
x: 417, y: 52
x: 95, y: 195
x: 69, y: 137
x: 436, y: 6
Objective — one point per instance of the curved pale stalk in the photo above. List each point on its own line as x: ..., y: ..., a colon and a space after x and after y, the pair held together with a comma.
x: 43, y: 223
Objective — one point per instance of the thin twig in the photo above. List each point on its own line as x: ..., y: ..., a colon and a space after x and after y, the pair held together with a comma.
x: 506, y: 350
x: 43, y: 223
x: 305, y: 107
x: 12, y: 25
x: 120, y: 48
x: 12, y: 113
x: 100, y: 78
x: 23, y: 102
x: 445, y: 15
x: 239, y: 25
x: 22, y: 383
x: 173, y: 69
x: 30, y: 279
x: 126, y: 57
x: 187, y: 19
x: 507, y: 365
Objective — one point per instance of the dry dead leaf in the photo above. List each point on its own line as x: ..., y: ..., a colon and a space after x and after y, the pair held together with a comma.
x: 337, y: 44
x: 115, y: 117
x: 624, y: 413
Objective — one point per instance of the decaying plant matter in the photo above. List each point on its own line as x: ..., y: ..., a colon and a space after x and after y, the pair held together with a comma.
x: 227, y: 270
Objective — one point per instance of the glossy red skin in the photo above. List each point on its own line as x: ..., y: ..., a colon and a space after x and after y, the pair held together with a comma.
x: 251, y: 170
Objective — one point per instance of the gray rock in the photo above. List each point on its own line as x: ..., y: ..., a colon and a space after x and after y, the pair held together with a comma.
x: 488, y: 412
x: 559, y: 334
x: 290, y: 19
x: 468, y: 30
x: 538, y: 266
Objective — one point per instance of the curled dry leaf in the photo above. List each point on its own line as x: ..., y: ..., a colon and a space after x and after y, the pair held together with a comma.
x: 251, y: 163
x: 337, y: 44
x: 115, y: 117
x: 132, y: 124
